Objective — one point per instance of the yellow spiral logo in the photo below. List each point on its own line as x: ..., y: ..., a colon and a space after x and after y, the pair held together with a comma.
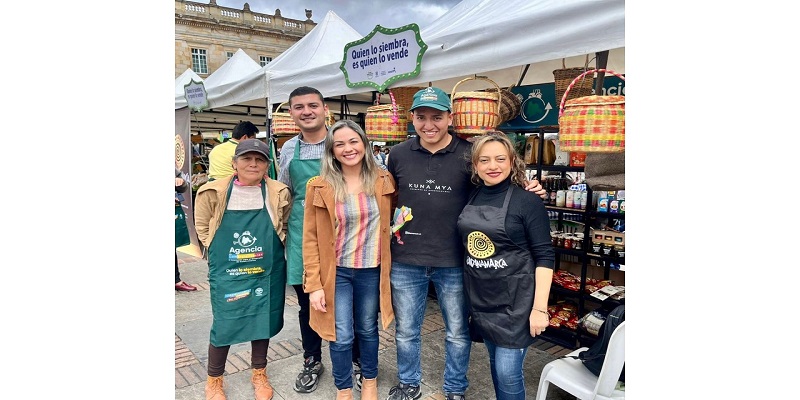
x: 479, y: 245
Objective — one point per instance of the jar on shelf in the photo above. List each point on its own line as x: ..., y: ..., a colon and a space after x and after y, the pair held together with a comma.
x: 620, y: 250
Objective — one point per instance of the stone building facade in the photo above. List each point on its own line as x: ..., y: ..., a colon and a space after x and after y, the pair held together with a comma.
x: 211, y: 34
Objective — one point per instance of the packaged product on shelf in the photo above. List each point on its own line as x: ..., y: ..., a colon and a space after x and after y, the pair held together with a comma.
x: 562, y: 157
x: 602, y: 204
x: 572, y: 323
x: 592, y: 321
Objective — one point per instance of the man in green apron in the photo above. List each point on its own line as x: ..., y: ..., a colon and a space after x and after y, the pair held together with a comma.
x: 239, y: 220
x: 299, y: 162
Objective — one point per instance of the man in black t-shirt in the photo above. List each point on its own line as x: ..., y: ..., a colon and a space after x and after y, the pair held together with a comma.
x: 432, y: 172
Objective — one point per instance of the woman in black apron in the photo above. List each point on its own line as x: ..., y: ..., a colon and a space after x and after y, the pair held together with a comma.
x: 242, y: 222
x: 346, y: 257
x: 508, y: 263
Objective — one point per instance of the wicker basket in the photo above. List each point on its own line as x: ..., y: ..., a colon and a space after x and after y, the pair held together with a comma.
x: 592, y: 123
x: 283, y: 125
x: 510, y: 105
x: 386, y: 123
x: 475, y: 113
x: 563, y: 77
x: 404, y: 96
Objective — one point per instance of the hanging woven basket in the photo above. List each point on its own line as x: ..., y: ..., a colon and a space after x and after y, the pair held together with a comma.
x: 475, y: 113
x: 592, y: 123
x: 564, y: 76
x: 386, y: 122
x: 510, y: 105
x: 404, y: 95
x: 283, y: 124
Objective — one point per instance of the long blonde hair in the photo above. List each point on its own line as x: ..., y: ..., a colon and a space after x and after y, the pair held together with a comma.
x: 332, y: 168
x: 518, y: 176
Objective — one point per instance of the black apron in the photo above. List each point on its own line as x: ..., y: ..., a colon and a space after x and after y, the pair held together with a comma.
x: 300, y: 171
x: 498, y: 276
x: 247, y: 276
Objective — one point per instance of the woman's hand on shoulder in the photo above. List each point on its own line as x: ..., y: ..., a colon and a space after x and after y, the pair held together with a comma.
x: 534, y: 186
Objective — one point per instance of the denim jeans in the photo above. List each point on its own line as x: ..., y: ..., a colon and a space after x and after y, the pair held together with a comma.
x: 409, y: 295
x: 357, y: 302
x: 506, y: 365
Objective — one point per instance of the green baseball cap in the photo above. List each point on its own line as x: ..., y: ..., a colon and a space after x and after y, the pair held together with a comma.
x: 432, y: 97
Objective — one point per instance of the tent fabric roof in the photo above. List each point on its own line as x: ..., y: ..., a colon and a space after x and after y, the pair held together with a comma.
x: 183, y: 79
x: 238, y: 65
x: 495, y: 38
x: 323, y: 46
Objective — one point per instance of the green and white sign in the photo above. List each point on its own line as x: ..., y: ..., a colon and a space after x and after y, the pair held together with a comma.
x: 383, y: 57
x: 196, y: 96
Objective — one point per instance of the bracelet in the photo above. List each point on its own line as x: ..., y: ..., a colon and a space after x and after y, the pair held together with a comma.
x: 543, y: 312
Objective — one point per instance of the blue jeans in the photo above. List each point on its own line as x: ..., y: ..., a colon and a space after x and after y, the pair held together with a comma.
x: 409, y: 295
x: 357, y: 293
x: 506, y: 365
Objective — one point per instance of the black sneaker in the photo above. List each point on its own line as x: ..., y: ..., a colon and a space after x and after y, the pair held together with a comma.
x: 308, y: 379
x: 404, y: 392
x: 453, y: 396
x: 358, y: 378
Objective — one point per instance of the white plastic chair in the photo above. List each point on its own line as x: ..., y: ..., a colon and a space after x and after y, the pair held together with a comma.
x: 571, y: 375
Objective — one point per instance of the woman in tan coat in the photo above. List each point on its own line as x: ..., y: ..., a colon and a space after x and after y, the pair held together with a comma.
x: 346, y: 257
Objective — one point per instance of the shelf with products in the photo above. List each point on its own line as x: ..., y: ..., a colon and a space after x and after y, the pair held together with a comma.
x: 590, y: 271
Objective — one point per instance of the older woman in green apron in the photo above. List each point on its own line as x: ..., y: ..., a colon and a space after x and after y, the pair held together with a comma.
x: 242, y: 221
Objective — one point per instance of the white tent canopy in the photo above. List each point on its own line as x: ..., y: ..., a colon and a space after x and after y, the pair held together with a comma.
x: 321, y: 47
x: 223, y: 84
x: 495, y: 38
x: 182, y: 80
x: 240, y: 91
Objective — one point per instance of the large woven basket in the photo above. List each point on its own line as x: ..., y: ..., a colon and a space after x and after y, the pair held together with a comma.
x: 475, y: 113
x: 564, y: 76
x: 592, y: 123
x: 404, y: 95
x: 386, y: 123
x: 283, y: 125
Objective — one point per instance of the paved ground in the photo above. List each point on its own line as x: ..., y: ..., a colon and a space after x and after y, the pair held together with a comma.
x: 193, y: 323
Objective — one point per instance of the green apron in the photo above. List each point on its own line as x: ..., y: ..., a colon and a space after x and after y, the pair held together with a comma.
x: 181, y: 229
x: 300, y: 171
x: 247, y: 276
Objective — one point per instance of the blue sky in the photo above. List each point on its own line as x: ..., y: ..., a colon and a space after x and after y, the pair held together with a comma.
x: 361, y: 15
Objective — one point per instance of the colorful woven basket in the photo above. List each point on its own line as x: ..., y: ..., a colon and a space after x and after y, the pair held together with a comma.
x: 283, y: 124
x: 475, y: 113
x: 592, y: 123
x: 404, y: 96
x: 386, y: 122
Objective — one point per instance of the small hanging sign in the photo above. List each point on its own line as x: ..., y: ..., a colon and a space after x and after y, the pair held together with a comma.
x: 195, y: 95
